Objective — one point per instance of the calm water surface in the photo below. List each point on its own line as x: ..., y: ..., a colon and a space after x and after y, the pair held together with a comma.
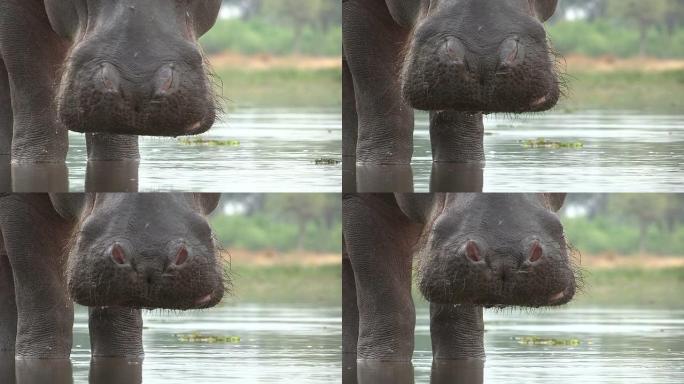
x: 277, y: 153
x: 277, y: 344
x: 616, y: 346
x: 622, y: 151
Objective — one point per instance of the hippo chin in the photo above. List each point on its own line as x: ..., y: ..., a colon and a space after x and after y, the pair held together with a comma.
x: 457, y: 59
x: 468, y: 251
x: 116, y: 253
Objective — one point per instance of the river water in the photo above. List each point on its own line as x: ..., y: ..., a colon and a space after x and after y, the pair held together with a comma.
x: 277, y: 152
x: 615, y: 346
x: 622, y: 152
x: 278, y: 344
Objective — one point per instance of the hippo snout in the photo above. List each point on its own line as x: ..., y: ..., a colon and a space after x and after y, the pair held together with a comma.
x: 137, y: 92
x: 479, y: 57
x: 496, y: 250
x: 532, y: 273
x: 180, y: 275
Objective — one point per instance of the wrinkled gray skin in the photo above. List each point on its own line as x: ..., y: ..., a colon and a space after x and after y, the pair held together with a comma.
x: 470, y: 251
x: 112, y: 69
x: 116, y: 253
x: 457, y: 59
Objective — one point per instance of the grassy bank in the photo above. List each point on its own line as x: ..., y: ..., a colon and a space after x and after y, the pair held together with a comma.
x: 654, y: 92
x: 286, y: 284
x: 646, y: 85
x: 281, y: 87
x: 633, y: 287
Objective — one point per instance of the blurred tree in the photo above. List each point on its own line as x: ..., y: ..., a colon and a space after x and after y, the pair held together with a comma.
x: 645, y: 209
x: 594, y: 9
x: 645, y: 14
x: 674, y: 15
x: 322, y: 209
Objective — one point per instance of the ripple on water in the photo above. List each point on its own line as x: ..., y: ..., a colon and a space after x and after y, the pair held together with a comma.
x: 623, y: 152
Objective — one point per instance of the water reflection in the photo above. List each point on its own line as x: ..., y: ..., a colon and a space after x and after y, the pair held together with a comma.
x: 53, y: 177
x: 115, y: 371
x: 60, y: 371
x: 619, y: 152
x: 112, y: 176
x: 445, y: 177
x: 251, y: 150
x: 442, y: 372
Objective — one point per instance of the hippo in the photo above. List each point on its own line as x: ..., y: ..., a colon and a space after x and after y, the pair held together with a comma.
x: 471, y: 251
x: 115, y: 253
x: 111, y: 69
x: 457, y: 59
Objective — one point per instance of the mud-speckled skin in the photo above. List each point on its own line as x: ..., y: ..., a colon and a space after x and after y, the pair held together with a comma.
x: 457, y: 59
x: 58, y: 248
x: 112, y: 69
x: 467, y: 251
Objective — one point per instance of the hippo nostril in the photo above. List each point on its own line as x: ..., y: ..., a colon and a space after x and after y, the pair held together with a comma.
x: 181, y: 255
x: 164, y: 79
x: 453, y: 51
x: 536, y: 251
x: 110, y: 78
x: 511, y: 53
x: 472, y: 251
x: 118, y: 254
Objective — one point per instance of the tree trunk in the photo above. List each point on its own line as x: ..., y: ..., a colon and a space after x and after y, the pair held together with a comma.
x: 643, y: 32
x: 301, y: 234
x: 643, y: 228
x: 297, y: 43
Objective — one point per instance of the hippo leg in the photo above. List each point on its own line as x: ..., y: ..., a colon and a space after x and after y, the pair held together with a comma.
x: 8, y: 305
x: 372, y: 46
x: 456, y: 137
x: 457, y: 332
x: 109, y: 147
x: 113, y: 163
x: 350, y: 121
x: 37, y: 134
x: 115, y: 332
x: 350, y: 310
x: 380, y: 257
x: 33, y: 235
x: 5, y: 113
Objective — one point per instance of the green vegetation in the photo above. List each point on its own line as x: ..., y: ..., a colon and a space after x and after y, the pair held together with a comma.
x: 543, y: 143
x: 620, y: 28
x: 632, y: 287
x: 312, y: 285
x: 196, y: 337
x: 627, y: 224
x: 283, y: 222
x: 208, y: 142
x: 264, y: 37
x: 326, y: 161
x: 632, y: 90
x: 604, y: 37
x: 281, y: 87
x: 606, y: 235
x: 536, y: 340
